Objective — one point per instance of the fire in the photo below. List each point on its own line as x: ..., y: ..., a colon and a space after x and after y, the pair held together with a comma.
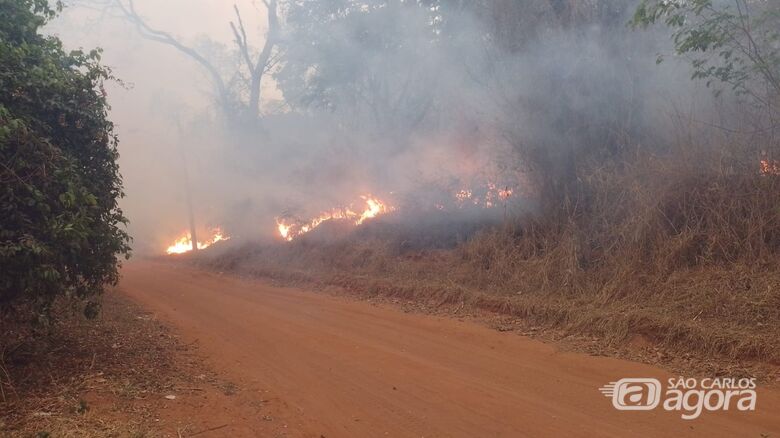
x: 375, y: 208
x: 491, y: 196
x: 284, y: 230
x: 770, y: 167
x: 487, y: 196
x: 463, y: 195
x: 184, y: 243
x: 290, y: 228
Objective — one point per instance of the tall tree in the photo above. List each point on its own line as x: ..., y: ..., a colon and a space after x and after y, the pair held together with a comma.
x: 374, y: 60
x: 240, y: 93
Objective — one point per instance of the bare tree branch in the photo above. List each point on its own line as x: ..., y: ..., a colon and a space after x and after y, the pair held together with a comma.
x: 244, y: 88
x: 153, y: 34
x: 260, y: 67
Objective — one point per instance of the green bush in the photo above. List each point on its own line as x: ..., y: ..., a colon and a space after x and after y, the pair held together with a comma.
x: 61, y: 230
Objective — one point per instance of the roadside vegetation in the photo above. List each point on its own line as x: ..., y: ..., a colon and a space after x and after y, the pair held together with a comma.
x: 674, y: 257
x: 672, y: 239
x: 61, y: 230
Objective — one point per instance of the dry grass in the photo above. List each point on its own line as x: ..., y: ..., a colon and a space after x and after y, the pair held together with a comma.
x: 101, y: 378
x: 684, y: 257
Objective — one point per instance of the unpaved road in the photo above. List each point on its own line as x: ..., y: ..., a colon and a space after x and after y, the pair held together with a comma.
x: 330, y: 367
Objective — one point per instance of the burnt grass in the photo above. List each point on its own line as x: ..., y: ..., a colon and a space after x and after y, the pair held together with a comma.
x: 681, y: 270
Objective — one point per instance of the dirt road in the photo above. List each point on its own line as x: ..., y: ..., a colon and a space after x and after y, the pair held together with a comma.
x: 331, y: 367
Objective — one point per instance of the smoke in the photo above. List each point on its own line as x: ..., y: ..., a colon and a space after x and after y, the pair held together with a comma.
x: 406, y: 101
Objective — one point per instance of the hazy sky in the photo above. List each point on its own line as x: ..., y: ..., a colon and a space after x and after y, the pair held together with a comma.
x: 163, y: 87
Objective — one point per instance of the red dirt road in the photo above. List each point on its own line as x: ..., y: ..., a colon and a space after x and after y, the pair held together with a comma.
x: 331, y: 367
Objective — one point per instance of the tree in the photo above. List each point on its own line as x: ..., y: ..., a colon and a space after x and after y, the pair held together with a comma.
x: 565, y: 78
x: 735, y: 42
x: 373, y: 61
x: 514, y: 25
x: 731, y: 44
x: 61, y: 229
x: 240, y: 94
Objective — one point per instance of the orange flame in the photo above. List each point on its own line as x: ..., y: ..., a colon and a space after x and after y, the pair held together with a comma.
x: 770, y: 167
x: 487, y: 197
x: 463, y: 195
x: 184, y: 243
x: 289, y: 228
x: 490, y: 196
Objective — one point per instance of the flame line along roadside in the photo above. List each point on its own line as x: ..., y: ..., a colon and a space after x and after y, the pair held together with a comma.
x: 289, y: 230
x: 184, y: 243
x: 289, y: 227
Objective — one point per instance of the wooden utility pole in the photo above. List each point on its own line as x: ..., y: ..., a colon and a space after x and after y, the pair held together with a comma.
x: 190, y: 211
x: 187, y: 191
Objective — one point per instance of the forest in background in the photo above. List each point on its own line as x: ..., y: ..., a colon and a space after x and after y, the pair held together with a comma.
x: 635, y: 142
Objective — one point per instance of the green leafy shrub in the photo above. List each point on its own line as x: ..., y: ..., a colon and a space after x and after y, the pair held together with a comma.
x: 61, y: 229
x: 735, y: 43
